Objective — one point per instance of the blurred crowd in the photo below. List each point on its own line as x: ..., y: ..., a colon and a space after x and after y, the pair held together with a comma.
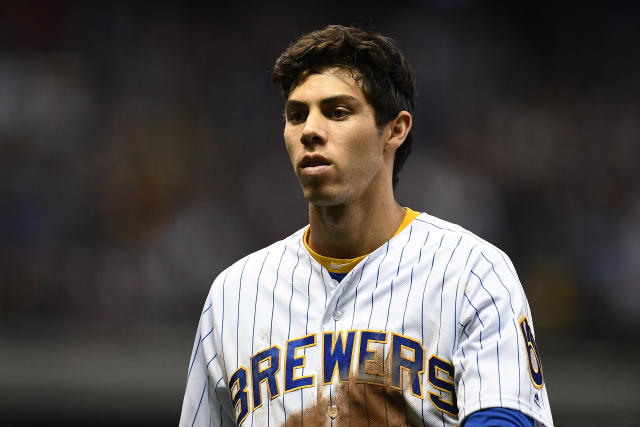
x: 141, y: 150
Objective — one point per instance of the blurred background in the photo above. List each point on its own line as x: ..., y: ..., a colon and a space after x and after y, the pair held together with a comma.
x: 141, y: 153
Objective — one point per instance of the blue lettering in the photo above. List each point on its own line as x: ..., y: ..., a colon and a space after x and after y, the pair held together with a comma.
x: 268, y: 374
x: 239, y: 399
x: 414, y: 366
x: 290, y: 382
x: 337, y: 354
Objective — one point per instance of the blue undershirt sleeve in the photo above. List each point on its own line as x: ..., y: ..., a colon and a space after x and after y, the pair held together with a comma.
x: 498, y: 417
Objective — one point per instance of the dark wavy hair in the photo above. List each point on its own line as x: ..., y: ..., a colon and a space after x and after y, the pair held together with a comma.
x: 386, y: 78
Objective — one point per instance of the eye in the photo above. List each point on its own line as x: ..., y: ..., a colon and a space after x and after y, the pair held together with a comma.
x: 295, y: 116
x: 339, y: 113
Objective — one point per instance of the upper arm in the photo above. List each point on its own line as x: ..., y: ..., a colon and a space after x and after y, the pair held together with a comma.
x: 206, y: 399
x: 496, y: 360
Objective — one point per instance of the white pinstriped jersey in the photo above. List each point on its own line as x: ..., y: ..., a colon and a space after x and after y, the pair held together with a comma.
x: 427, y: 329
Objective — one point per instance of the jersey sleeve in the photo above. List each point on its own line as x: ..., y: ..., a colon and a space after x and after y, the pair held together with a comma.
x: 207, y: 400
x: 496, y: 359
x: 498, y: 417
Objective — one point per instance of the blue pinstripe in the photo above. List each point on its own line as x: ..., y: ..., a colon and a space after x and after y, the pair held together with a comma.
x: 291, y: 297
x: 499, y: 375
x: 386, y: 413
x: 479, y: 376
x: 424, y: 290
x: 324, y: 286
x: 460, y: 230
x: 206, y: 335
x: 207, y: 309
x: 355, y: 299
x: 306, y: 327
x: 455, y: 304
x: 255, y: 310
x: 499, y: 334
x: 444, y: 274
x: 464, y: 386
x: 492, y: 300
x: 216, y: 391
x: 306, y: 331
x: 386, y: 323
x: 476, y: 310
x: 273, y: 294
x: 377, y: 279
x: 284, y: 403
x: 238, y: 318
x: 507, y: 264
x: 200, y: 402
x: 513, y: 319
x: 273, y: 304
x: 255, y: 303
x: 223, y: 304
x: 211, y: 360
x: 364, y: 386
x: 195, y: 353
x: 481, y: 346
x: 406, y: 304
x: 364, y: 264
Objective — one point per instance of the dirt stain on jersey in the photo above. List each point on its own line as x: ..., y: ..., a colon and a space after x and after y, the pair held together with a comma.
x: 360, y: 404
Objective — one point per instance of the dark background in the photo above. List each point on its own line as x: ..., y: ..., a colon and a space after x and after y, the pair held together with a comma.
x: 141, y: 152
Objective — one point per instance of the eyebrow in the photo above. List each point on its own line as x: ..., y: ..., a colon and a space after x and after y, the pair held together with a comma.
x: 331, y: 100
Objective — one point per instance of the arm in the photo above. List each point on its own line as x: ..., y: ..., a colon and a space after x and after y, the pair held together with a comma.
x: 496, y: 359
x: 206, y: 399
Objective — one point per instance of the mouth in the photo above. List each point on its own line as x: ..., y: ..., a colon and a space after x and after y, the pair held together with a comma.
x: 314, y: 164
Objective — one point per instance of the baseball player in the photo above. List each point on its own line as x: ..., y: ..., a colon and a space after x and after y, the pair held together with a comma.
x: 374, y: 313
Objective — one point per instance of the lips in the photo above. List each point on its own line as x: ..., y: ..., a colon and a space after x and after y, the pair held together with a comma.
x: 314, y: 164
x: 313, y: 161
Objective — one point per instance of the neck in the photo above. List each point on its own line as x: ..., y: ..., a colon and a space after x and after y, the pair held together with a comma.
x: 353, y: 229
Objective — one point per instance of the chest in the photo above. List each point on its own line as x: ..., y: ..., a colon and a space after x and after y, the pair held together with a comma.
x: 359, y: 350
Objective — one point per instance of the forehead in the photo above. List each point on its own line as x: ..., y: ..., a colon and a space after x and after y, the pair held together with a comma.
x: 327, y: 83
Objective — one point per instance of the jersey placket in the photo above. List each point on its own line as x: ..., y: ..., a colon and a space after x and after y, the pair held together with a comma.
x: 331, y: 320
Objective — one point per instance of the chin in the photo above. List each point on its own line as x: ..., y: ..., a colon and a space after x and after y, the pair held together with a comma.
x: 323, y: 196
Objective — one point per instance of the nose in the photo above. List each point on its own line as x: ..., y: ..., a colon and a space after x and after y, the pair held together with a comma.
x: 314, y: 131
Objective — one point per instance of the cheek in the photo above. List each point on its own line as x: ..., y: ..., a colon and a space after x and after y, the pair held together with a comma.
x: 366, y: 152
x: 290, y: 144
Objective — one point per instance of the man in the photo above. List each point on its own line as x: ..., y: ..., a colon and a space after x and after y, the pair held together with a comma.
x: 374, y: 313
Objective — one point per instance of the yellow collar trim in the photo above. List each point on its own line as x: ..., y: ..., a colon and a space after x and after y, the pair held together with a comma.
x: 341, y: 265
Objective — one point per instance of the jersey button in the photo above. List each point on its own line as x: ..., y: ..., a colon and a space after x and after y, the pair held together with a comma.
x: 337, y: 315
x: 333, y: 411
x: 334, y: 283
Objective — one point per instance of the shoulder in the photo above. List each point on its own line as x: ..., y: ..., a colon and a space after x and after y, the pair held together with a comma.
x: 453, y: 234
x: 482, y: 272
x: 464, y: 253
x: 251, y: 264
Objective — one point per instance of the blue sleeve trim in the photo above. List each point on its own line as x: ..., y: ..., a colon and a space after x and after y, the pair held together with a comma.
x: 498, y: 417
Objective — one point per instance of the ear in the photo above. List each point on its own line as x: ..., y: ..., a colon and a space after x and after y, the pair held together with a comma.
x: 398, y: 130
